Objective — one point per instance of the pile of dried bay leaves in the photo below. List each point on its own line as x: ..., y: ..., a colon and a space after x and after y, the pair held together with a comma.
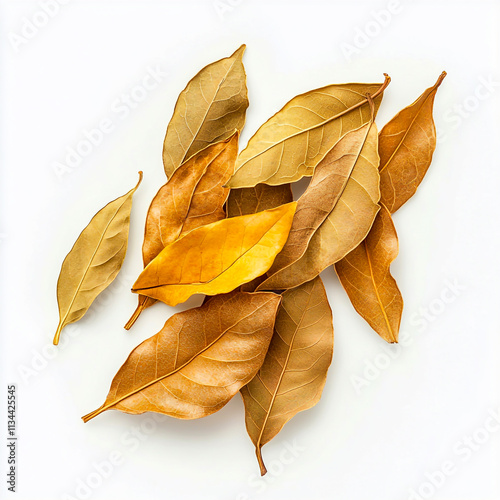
x: 225, y: 225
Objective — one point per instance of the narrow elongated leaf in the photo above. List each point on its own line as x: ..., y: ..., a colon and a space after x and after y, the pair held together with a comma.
x: 291, y: 143
x: 366, y: 277
x: 209, y: 110
x: 251, y: 200
x: 294, y: 372
x: 406, y: 146
x: 334, y: 214
x: 94, y: 261
x: 198, y: 361
x: 246, y: 201
x: 194, y: 196
x: 218, y: 257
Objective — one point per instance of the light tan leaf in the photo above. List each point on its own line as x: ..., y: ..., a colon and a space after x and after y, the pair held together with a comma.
x: 94, y: 261
x: 366, y: 277
x: 334, y: 214
x: 406, y: 146
x: 291, y: 143
x: 294, y: 371
x: 218, y: 257
x: 209, y: 110
x: 198, y: 361
x: 194, y: 196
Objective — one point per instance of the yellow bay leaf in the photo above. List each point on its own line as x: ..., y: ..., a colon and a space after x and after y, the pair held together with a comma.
x: 218, y: 257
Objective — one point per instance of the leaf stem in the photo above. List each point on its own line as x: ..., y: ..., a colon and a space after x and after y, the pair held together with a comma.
x: 258, y: 452
x: 93, y: 414
x: 134, y: 316
x: 58, y: 332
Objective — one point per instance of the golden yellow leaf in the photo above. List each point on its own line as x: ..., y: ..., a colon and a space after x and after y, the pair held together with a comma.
x: 193, y: 196
x: 366, y: 277
x: 198, y: 361
x: 293, y: 374
x: 406, y: 146
x: 334, y: 214
x: 218, y: 257
x: 209, y: 110
x: 94, y: 261
x: 291, y: 143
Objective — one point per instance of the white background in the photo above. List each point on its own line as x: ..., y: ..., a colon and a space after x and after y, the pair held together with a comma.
x: 378, y: 441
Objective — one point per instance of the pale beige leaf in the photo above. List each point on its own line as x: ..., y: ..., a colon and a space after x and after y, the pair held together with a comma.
x: 291, y: 143
x: 209, y: 110
x: 94, y: 261
x: 335, y: 213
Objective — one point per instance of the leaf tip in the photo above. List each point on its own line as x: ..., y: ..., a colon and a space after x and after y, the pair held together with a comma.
x: 440, y: 79
x: 240, y: 50
x: 140, y: 179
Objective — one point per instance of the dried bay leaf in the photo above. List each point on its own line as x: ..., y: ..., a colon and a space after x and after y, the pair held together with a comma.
x: 218, y: 257
x: 406, y: 146
x: 94, y: 261
x: 198, y: 361
x: 194, y: 196
x: 366, y: 277
x: 293, y: 374
x: 246, y: 201
x: 208, y: 110
x: 255, y: 199
x: 291, y: 143
x: 335, y: 212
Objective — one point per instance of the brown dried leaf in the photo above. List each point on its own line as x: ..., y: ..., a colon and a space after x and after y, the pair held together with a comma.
x: 334, y: 214
x: 366, y: 277
x: 292, y: 142
x: 94, y: 261
x: 406, y: 146
x: 218, y: 257
x: 251, y: 200
x: 194, y: 196
x: 209, y: 110
x: 198, y: 361
x: 294, y: 371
